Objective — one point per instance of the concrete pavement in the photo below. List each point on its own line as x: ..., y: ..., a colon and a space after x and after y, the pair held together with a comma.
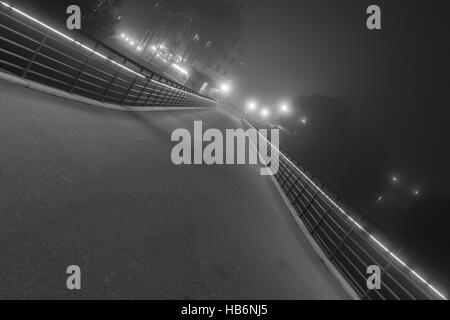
x: 96, y: 188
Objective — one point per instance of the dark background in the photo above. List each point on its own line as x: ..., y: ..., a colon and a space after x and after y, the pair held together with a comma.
x: 376, y: 101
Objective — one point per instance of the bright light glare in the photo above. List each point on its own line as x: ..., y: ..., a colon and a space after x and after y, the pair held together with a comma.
x: 265, y: 113
x: 180, y: 69
x: 284, y: 108
x: 122, y: 35
x: 252, y: 106
x: 225, y: 88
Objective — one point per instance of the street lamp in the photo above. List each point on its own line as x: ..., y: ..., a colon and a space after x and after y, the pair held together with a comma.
x: 225, y: 88
x: 284, y: 108
x: 252, y: 106
x: 265, y: 113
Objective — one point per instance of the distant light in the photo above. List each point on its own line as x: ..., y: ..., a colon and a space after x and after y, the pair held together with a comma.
x: 225, y: 88
x: 252, y: 106
x: 416, y: 192
x: 395, y: 179
x: 127, y: 39
x: 284, y: 108
x: 304, y: 120
x: 139, y: 48
x: 265, y: 113
x: 122, y: 35
x: 132, y: 43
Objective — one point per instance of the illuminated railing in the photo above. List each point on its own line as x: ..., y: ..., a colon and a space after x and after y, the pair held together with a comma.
x: 351, y: 241
x: 39, y: 52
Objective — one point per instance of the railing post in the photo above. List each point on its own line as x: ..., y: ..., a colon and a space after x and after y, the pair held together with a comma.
x: 301, y: 193
x: 309, y: 204
x: 112, y: 81
x: 322, y: 218
x: 284, y: 178
x: 164, y: 93
x: 35, y: 55
x: 157, y: 99
x: 179, y: 97
x: 288, y: 191
x: 150, y: 95
x: 130, y: 88
x: 347, y: 235
x: 147, y: 81
x: 83, y: 69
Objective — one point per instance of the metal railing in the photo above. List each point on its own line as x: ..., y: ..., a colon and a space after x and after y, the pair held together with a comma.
x: 33, y: 50
x: 351, y: 241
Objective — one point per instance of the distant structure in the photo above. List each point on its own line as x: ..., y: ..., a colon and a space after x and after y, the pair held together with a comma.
x: 226, y: 68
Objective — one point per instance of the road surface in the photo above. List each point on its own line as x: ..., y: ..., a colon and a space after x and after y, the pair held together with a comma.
x: 92, y: 187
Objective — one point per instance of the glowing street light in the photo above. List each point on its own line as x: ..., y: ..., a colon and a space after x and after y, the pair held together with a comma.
x: 252, y: 106
x: 284, y: 108
x: 180, y: 69
x: 265, y: 113
x: 225, y: 88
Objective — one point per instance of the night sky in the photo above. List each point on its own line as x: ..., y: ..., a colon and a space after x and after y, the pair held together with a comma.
x: 379, y: 104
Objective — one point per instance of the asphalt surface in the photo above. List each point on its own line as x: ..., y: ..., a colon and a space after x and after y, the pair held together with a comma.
x: 92, y: 187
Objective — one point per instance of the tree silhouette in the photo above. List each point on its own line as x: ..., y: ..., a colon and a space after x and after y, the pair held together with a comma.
x: 200, y: 29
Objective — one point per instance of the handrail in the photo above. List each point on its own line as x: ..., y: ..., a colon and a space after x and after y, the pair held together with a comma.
x: 351, y: 241
x: 85, y: 66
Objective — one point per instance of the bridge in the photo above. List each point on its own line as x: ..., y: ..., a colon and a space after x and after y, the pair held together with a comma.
x: 86, y: 179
